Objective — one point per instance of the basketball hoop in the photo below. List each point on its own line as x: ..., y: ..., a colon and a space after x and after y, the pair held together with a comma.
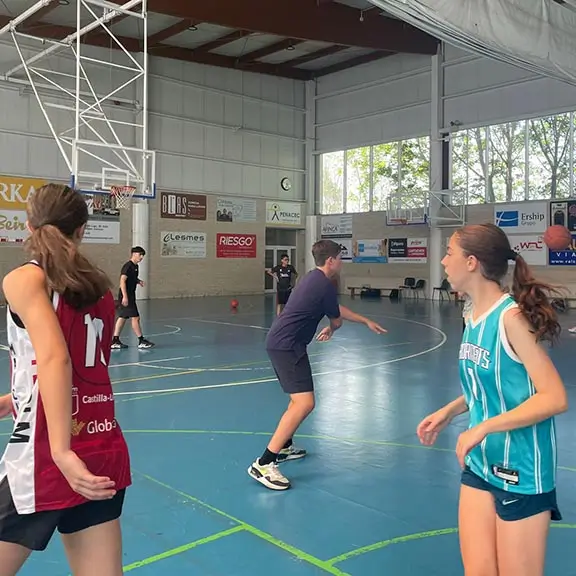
x: 122, y: 196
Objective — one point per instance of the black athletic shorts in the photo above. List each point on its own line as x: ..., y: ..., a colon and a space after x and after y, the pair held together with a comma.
x: 34, y: 531
x: 511, y: 506
x: 293, y: 370
x: 283, y: 295
x: 130, y: 311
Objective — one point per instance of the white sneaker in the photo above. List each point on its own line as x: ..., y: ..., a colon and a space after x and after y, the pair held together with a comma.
x: 269, y: 475
x: 572, y: 330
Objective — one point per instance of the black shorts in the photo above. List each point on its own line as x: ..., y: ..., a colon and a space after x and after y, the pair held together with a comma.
x: 282, y: 296
x: 130, y: 311
x: 511, y: 506
x: 293, y: 370
x: 34, y: 531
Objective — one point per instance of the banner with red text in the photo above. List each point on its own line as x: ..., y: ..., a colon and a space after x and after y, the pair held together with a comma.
x: 236, y: 246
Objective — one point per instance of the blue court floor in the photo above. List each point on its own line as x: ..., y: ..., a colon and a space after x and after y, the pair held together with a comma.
x: 367, y: 501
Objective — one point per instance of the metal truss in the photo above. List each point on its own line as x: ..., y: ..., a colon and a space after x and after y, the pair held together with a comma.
x: 92, y: 145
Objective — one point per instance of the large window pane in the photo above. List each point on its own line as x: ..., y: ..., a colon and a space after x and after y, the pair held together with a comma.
x: 550, y: 157
x: 414, y: 172
x: 385, y: 174
x: 332, y: 193
x: 469, y: 165
x: 508, y: 161
x: 358, y: 180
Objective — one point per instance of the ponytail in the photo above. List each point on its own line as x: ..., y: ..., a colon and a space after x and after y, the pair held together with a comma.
x: 533, y: 299
x: 68, y: 272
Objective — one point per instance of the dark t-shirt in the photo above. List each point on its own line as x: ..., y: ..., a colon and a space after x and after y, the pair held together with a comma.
x: 130, y: 270
x: 313, y: 298
x: 284, y: 275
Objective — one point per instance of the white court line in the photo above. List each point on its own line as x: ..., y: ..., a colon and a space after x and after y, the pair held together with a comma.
x: 175, y: 331
x: 145, y: 362
x: 326, y: 373
x: 255, y: 368
x: 226, y: 323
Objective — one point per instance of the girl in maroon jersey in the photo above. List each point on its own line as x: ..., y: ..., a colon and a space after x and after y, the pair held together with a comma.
x: 66, y: 465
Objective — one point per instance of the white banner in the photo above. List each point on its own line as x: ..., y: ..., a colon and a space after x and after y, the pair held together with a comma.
x: 339, y: 226
x: 284, y: 213
x: 235, y: 210
x: 522, y: 217
x: 531, y: 248
x: 183, y: 244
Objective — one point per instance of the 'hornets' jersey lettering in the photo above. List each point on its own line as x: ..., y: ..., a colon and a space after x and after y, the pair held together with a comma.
x: 476, y: 354
x: 495, y: 381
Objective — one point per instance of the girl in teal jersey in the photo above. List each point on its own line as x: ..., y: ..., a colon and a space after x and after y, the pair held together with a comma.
x: 512, y: 392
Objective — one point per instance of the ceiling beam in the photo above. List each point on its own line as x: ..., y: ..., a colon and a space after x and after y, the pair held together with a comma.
x: 213, y: 59
x: 222, y: 41
x: 37, y: 16
x: 311, y: 56
x: 332, y: 23
x: 285, y: 44
x: 54, y: 31
x: 170, y: 31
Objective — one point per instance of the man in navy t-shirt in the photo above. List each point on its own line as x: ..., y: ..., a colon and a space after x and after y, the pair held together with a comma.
x: 315, y: 297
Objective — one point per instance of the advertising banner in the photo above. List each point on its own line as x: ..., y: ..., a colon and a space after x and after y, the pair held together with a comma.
x: 183, y: 244
x: 236, y: 246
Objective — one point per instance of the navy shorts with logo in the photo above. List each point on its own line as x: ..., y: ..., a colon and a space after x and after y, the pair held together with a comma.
x: 511, y: 506
x: 293, y: 370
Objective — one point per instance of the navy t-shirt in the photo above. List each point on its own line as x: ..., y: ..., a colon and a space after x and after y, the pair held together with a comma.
x: 313, y: 298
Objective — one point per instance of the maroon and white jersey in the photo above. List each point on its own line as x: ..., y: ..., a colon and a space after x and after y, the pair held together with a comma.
x: 36, y: 484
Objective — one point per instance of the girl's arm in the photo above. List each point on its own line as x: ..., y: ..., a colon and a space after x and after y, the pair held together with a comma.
x: 27, y: 295
x: 456, y: 407
x: 550, y: 398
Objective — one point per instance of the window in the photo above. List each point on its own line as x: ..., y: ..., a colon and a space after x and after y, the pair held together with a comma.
x: 363, y: 179
x: 520, y: 160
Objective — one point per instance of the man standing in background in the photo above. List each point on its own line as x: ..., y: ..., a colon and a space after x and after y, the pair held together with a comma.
x: 126, y: 305
x: 284, y: 273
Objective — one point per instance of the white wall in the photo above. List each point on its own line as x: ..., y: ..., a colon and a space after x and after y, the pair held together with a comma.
x: 479, y: 91
x: 383, y: 101
x: 389, y: 99
x: 226, y: 131
x: 216, y: 131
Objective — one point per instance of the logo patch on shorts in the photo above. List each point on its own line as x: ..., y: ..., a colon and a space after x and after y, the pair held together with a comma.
x: 508, y: 475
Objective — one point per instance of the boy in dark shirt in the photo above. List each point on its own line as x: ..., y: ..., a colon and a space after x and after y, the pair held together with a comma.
x: 284, y: 273
x: 126, y: 306
x: 315, y: 297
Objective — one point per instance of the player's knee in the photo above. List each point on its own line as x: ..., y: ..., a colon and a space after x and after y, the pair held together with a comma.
x: 304, y: 403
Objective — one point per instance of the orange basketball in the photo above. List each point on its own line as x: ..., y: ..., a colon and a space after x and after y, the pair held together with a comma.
x: 557, y: 237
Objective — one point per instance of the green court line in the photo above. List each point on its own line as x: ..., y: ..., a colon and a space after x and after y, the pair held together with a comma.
x: 182, y: 549
x: 407, y: 538
x: 308, y: 436
x: 312, y: 437
x: 296, y: 552
x: 385, y: 543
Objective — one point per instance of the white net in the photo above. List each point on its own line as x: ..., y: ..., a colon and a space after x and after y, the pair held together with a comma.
x: 122, y: 196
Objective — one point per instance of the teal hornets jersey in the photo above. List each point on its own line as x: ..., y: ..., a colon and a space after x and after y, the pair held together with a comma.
x: 495, y: 381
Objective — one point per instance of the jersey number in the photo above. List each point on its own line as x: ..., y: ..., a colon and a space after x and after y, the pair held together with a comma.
x: 94, y: 330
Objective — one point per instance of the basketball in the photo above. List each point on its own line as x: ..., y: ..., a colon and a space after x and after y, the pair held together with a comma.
x: 557, y: 237
x: 234, y: 303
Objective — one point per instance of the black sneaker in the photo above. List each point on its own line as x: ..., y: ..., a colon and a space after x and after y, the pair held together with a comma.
x: 117, y: 344
x: 145, y: 343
